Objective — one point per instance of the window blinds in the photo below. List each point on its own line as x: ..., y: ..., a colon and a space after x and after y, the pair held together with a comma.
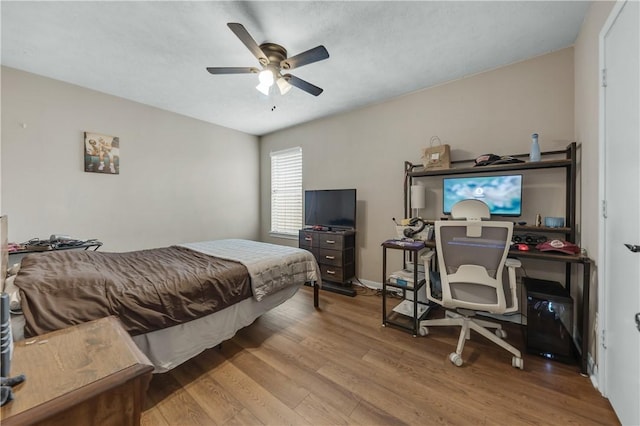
x: 286, y: 191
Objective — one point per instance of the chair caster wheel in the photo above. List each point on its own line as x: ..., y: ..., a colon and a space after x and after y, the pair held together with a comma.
x: 423, y: 331
x: 517, y: 362
x: 501, y: 333
x: 455, y: 359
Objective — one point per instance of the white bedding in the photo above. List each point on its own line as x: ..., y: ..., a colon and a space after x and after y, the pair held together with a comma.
x: 271, y: 267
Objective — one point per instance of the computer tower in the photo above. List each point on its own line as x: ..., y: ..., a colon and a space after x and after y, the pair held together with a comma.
x: 549, y: 320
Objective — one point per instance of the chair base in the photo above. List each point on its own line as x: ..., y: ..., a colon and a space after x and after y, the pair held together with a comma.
x: 468, y: 323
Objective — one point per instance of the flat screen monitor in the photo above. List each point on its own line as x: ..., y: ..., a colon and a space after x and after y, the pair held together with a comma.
x: 331, y: 208
x: 503, y: 194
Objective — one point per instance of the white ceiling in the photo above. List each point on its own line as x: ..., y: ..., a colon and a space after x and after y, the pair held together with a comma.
x: 155, y: 52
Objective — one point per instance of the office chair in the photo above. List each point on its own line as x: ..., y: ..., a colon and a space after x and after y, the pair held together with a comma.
x: 471, y: 257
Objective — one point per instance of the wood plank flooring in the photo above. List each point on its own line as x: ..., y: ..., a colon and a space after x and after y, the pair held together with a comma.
x: 337, y: 365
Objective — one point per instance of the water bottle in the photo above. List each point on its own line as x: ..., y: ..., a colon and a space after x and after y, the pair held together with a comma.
x: 534, y: 155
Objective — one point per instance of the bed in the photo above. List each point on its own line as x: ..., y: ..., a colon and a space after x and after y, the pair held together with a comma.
x: 175, y: 301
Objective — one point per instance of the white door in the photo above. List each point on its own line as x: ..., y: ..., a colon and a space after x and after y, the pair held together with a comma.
x: 621, y: 215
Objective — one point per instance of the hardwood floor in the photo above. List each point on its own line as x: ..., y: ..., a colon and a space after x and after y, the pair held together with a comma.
x: 338, y: 365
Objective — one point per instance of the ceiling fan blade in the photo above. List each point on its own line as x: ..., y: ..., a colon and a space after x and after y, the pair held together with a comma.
x: 310, y: 56
x: 244, y: 36
x: 232, y: 70
x: 303, y: 85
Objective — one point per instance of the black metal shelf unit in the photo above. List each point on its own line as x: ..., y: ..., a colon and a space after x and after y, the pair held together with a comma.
x: 417, y: 286
x: 461, y: 167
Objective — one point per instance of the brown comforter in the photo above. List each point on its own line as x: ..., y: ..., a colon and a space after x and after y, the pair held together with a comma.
x: 148, y: 289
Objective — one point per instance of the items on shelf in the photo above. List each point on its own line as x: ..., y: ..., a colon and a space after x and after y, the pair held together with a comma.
x: 55, y: 242
x: 406, y: 308
x: 534, y: 155
x: 436, y: 156
x: 405, y: 278
x: 558, y: 245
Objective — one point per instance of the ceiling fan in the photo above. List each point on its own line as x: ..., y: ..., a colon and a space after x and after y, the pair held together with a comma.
x: 273, y: 59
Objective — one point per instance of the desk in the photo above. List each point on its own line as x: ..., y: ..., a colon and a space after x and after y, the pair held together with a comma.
x: 91, y: 373
x: 567, y: 259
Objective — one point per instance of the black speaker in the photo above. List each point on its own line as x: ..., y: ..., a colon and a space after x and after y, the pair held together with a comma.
x: 549, y: 320
x: 6, y: 341
x: 528, y: 238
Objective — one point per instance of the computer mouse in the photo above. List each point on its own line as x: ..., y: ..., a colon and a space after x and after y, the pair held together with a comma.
x: 522, y: 247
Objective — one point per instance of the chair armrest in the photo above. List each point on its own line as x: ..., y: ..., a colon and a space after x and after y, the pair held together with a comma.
x: 512, y: 263
x: 427, y: 260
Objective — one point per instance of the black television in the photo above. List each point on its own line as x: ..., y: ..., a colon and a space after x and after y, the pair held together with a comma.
x: 330, y: 208
x: 503, y: 194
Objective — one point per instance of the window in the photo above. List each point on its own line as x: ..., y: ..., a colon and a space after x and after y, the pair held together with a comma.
x: 286, y: 191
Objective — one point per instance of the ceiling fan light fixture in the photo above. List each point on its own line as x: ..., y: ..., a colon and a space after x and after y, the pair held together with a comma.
x: 283, y: 85
x: 266, y: 77
x: 266, y: 81
x: 273, y: 58
x: 264, y: 89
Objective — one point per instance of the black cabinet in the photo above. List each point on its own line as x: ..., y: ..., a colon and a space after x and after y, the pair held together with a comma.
x: 335, y: 252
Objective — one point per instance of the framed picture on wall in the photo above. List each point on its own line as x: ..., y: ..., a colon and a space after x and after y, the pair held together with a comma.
x: 101, y: 153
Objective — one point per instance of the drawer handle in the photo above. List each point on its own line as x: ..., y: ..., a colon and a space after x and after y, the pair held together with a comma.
x: 330, y: 272
x: 307, y: 238
x: 331, y: 242
x: 330, y: 257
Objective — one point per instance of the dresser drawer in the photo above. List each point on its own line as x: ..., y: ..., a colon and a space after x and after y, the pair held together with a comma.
x: 332, y: 273
x: 330, y: 257
x: 337, y: 274
x: 306, y: 240
x: 332, y: 241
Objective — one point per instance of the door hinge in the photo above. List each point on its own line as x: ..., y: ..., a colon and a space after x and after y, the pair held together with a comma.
x: 604, y: 209
x: 604, y: 77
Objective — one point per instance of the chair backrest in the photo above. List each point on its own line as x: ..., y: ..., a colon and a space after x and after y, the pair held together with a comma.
x: 471, y: 259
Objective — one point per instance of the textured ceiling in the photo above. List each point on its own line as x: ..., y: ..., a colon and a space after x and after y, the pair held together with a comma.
x: 156, y: 52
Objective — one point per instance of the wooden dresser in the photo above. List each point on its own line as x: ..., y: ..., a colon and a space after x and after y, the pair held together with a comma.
x: 91, y: 373
x: 335, y: 253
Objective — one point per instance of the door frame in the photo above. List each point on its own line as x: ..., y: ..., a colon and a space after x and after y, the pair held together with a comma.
x: 601, y: 375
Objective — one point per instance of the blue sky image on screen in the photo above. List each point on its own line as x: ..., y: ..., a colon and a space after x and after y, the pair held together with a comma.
x: 503, y: 194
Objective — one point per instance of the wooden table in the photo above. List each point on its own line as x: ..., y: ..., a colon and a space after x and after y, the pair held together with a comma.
x: 91, y: 373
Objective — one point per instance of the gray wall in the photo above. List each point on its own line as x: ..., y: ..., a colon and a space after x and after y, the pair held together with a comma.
x: 180, y: 180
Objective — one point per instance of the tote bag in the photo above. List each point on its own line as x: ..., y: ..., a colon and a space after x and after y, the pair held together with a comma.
x: 437, y: 155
